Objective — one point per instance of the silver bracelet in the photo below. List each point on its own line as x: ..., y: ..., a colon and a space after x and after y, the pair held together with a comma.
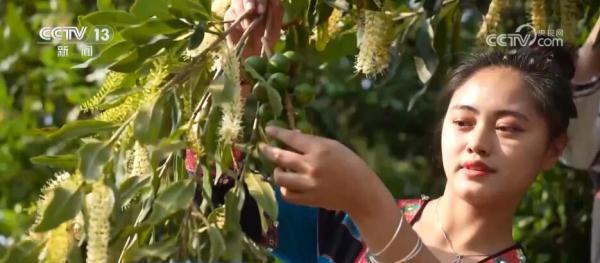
x: 393, y: 237
x: 414, y: 252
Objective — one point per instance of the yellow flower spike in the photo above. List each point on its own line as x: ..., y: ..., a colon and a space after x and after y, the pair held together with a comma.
x: 374, y: 44
x: 62, y: 179
x: 333, y: 22
x: 57, y: 246
x: 111, y: 83
x: 538, y: 15
x: 140, y: 162
x: 99, y: 205
x: 231, y: 124
x: 492, y: 18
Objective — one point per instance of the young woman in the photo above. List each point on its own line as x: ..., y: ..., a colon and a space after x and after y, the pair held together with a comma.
x: 506, y: 118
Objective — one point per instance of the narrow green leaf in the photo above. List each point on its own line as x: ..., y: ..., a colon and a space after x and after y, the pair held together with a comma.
x: 175, y: 197
x: 112, y: 53
x: 14, y: 21
x: 131, y: 187
x: 197, y: 36
x: 136, y: 58
x: 25, y: 251
x: 189, y: 9
x: 234, y: 202
x: 149, y: 8
x: 65, y: 161
x: 80, y: 128
x: 217, y: 243
x: 152, y: 28
x: 63, y: 206
x: 5, y: 100
x: 105, y: 4
x: 263, y: 193
x: 92, y: 158
x: 145, y: 126
x: 211, y: 130
x: 116, y: 18
x: 161, y: 250
x: 422, y: 71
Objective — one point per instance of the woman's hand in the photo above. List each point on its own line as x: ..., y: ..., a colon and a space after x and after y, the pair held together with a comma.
x: 272, y: 10
x: 321, y: 172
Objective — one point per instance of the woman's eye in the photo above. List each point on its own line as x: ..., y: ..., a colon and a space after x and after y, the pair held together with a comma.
x: 462, y: 123
x: 510, y: 129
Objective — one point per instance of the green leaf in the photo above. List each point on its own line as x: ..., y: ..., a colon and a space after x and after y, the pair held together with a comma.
x: 25, y: 251
x: 145, y: 126
x: 63, y: 206
x: 149, y: 8
x: 5, y: 100
x: 131, y: 187
x: 65, y: 161
x: 92, y: 158
x: 15, y: 22
x: 197, y: 37
x: 80, y: 128
x: 217, y: 243
x: 432, y: 7
x: 116, y: 18
x: 189, y: 9
x: 274, y: 101
x: 161, y: 250
x: 211, y: 130
x: 234, y: 201
x: 422, y: 71
x: 112, y: 53
x: 175, y: 197
x: 263, y: 193
x: 136, y: 58
x: 151, y: 29
x: 105, y: 4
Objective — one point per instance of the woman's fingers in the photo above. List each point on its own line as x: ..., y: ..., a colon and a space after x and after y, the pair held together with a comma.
x: 282, y: 158
x: 290, y: 180
x: 296, y: 197
x: 276, y: 13
x: 297, y: 140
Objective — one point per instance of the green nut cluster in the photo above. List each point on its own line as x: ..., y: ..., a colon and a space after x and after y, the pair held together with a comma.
x: 282, y: 91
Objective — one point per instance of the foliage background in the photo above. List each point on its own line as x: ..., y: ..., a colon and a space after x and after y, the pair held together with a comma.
x: 390, y: 120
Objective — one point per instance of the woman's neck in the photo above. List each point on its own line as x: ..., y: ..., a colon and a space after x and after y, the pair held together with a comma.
x: 475, y: 228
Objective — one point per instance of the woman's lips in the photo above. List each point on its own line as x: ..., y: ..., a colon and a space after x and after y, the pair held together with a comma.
x: 475, y: 169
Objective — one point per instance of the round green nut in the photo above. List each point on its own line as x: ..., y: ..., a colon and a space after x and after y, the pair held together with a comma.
x: 279, y: 81
x: 304, y: 94
x: 279, y: 63
x: 260, y: 92
x: 304, y: 126
x: 257, y: 63
x: 265, y: 112
x: 292, y: 56
x: 277, y: 123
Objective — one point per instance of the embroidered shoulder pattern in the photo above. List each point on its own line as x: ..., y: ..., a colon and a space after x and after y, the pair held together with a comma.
x: 515, y: 255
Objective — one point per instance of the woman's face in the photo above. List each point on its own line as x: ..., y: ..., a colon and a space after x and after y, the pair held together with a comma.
x: 494, y: 140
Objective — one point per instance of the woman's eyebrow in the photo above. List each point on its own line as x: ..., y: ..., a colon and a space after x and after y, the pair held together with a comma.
x: 498, y: 114
x: 465, y: 107
x: 518, y: 115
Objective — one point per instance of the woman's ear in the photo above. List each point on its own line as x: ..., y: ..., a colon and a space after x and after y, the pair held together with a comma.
x: 554, y: 151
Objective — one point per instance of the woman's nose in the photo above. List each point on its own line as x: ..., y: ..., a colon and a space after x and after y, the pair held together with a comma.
x: 479, y: 142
